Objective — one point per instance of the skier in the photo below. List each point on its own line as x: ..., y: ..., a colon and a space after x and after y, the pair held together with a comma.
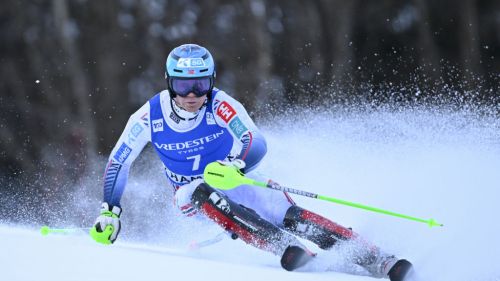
x: 191, y: 124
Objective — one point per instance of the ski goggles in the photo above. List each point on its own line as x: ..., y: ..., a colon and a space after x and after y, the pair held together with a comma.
x: 183, y: 86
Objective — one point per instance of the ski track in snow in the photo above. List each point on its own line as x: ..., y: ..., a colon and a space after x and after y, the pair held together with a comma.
x: 423, y: 164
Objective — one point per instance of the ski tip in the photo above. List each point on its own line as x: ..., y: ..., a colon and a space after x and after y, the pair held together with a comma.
x: 402, y: 270
x: 295, y: 257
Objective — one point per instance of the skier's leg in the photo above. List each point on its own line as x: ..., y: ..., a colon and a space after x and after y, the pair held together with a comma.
x: 270, y: 205
x: 250, y: 227
x: 279, y: 208
x: 318, y: 229
x: 326, y: 234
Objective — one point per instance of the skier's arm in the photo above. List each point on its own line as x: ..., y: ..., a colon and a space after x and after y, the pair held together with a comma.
x: 133, y: 139
x: 231, y: 114
x: 131, y: 142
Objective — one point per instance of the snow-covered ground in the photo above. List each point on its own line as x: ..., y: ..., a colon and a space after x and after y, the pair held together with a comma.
x: 426, y: 164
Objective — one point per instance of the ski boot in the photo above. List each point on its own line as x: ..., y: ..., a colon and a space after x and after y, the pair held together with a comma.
x: 388, y: 266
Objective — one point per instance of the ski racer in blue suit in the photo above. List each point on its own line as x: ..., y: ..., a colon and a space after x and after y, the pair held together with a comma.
x: 192, y: 124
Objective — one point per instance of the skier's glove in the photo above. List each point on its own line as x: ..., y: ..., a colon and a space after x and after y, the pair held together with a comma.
x: 107, y: 225
x: 236, y: 163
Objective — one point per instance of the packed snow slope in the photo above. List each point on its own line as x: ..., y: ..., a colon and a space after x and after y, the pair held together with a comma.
x: 435, y: 164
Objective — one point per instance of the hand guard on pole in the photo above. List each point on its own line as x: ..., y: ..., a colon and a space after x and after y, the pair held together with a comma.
x: 107, y: 225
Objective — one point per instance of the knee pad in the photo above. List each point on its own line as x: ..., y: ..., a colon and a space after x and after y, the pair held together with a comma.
x: 183, y: 197
x: 202, y: 193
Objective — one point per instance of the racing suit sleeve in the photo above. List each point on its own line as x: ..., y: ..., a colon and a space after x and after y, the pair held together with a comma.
x: 130, y: 144
x: 231, y: 114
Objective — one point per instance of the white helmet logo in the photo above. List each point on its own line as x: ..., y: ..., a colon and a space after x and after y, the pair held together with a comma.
x: 190, y: 62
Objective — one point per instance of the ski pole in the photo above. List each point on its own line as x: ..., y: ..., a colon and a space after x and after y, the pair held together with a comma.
x: 45, y: 230
x: 196, y: 245
x: 228, y: 177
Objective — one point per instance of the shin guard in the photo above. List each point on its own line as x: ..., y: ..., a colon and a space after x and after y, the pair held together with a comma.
x: 325, y: 233
x: 313, y: 227
x: 244, y: 222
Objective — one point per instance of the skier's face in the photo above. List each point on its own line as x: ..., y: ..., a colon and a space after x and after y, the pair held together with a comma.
x: 190, y: 103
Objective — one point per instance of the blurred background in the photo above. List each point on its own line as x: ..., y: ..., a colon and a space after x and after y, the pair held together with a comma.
x: 73, y: 71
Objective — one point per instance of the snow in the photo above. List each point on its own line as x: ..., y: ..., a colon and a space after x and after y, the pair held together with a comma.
x: 420, y: 163
x: 27, y: 255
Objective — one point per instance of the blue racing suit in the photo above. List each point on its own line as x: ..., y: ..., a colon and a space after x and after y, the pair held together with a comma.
x: 222, y: 130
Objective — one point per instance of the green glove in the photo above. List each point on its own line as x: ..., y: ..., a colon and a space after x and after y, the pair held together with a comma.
x: 107, y: 225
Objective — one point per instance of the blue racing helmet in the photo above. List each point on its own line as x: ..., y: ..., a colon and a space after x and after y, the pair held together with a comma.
x: 190, y: 68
